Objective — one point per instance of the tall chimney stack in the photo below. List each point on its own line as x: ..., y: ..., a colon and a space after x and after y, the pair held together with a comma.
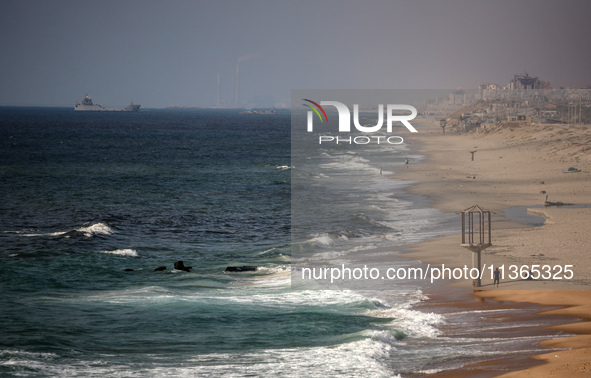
x: 219, y: 89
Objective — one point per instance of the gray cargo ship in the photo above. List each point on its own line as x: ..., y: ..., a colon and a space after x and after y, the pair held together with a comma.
x: 87, y: 105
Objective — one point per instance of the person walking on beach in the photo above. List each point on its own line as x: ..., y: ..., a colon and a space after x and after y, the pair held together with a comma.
x: 406, y: 162
x: 497, y: 277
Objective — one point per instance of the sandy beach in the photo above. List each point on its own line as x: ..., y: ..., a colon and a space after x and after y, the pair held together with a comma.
x: 520, y: 168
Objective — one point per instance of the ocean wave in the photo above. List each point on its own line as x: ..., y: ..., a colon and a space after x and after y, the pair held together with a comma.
x: 8, y: 354
x: 95, y: 229
x: 330, y: 238
x: 271, y: 277
x: 148, y: 294
x: 122, y: 252
x: 353, y: 359
x: 430, y: 371
x: 245, y: 295
x: 472, y: 311
x: 29, y: 233
x: 350, y: 163
x: 278, y: 276
x: 407, y: 321
x: 273, y: 269
x: 361, y: 219
x: 18, y: 360
x: 415, y: 323
x: 274, y: 254
x: 88, y: 231
x: 358, y: 359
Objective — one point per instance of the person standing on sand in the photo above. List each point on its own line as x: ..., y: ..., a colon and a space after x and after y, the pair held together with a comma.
x: 497, y: 277
x: 406, y: 163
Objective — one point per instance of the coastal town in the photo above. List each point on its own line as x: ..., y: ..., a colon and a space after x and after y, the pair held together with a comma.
x: 521, y: 147
x: 522, y: 101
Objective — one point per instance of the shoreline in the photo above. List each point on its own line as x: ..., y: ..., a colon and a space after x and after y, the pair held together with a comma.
x: 516, y: 167
x: 521, y: 326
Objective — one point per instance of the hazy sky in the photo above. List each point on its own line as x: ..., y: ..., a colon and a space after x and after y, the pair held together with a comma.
x: 161, y: 53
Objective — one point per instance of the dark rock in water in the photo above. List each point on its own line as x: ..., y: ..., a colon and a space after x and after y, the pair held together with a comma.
x: 128, y: 270
x: 179, y: 265
x: 241, y: 268
x: 160, y: 268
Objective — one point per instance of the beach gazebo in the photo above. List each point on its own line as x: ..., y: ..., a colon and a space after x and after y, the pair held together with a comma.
x: 476, y: 234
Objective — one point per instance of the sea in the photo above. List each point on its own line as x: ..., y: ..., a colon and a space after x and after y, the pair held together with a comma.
x: 92, y: 204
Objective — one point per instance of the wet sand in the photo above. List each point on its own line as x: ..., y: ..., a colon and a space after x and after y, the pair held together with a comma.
x: 517, y: 166
x: 496, y: 320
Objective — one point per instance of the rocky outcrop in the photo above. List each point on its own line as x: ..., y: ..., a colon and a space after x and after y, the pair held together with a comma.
x: 179, y: 265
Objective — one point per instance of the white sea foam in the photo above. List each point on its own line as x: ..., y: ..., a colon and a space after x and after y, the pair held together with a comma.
x: 281, y: 296
x: 264, y: 277
x: 8, y: 353
x: 122, y: 252
x: 32, y: 234
x: 418, y: 324
x: 472, y: 312
x: 411, y: 322
x: 267, y: 251
x: 327, y: 239
x: 148, y: 294
x: 349, y: 162
x: 272, y: 252
x: 354, y: 359
x: 96, y: 229
x: 361, y: 358
x: 273, y: 270
x: 430, y: 371
x: 29, y: 360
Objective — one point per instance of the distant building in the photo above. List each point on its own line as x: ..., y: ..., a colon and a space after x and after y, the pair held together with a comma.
x: 488, y: 91
x: 518, y: 120
x: 526, y: 82
x: 458, y: 97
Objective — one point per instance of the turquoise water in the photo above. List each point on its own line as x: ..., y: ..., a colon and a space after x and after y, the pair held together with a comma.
x: 92, y: 203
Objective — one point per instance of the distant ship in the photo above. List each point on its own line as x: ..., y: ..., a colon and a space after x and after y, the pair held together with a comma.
x: 88, y: 106
x: 260, y: 111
